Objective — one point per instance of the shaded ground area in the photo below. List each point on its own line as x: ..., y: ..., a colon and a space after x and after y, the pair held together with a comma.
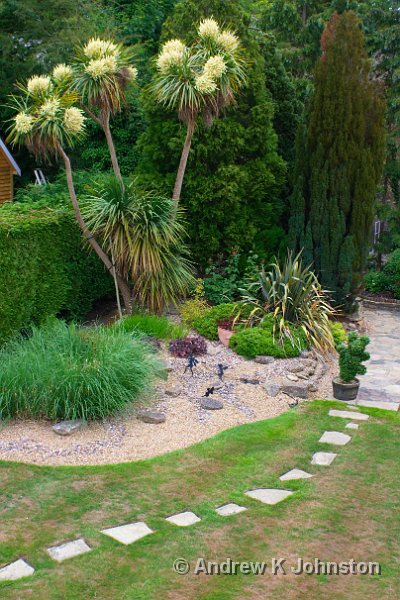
x: 348, y: 510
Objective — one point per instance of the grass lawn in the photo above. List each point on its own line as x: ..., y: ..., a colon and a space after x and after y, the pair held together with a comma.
x: 348, y: 510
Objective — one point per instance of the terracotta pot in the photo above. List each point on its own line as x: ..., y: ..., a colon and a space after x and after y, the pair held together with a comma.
x: 345, y: 391
x: 224, y: 336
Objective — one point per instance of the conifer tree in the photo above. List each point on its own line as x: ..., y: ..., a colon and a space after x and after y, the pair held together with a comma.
x: 339, y: 160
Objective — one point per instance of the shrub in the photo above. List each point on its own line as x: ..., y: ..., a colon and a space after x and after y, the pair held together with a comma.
x: 153, y: 325
x: 225, y: 281
x: 351, y: 357
x: 182, y: 348
x: 196, y: 306
x: 253, y: 341
x: 45, y: 268
x: 73, y: 373
x: 338, y: 333
x: 376, y: 281
x: 294, y: 295
x: 207, y: 324
x: 387, y: 280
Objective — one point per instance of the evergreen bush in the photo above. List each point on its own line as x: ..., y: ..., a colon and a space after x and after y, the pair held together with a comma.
x: 351, y: 357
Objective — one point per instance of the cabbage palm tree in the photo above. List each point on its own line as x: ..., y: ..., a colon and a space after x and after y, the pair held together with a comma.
x: 145, y: 234
x: 101, y: 74
x: 198, y: 80
x: 48, y: 123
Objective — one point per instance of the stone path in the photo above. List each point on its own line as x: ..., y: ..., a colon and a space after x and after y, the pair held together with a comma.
x: 132, y: 532
x: 380, y: 386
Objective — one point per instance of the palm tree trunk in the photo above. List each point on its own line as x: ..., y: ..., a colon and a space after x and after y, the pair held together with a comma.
x: 122, y: 285
x: 114, y: 274
x: 110, y: 142
x: 183, y: 162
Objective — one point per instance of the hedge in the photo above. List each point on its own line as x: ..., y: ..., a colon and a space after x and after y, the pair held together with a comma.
x: 44, y: 267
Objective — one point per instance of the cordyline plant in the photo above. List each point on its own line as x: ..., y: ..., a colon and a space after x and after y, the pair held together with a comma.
x: 101, y: 73
x: 293, y: 295
x: 48, y: 122
x: 198, y: 81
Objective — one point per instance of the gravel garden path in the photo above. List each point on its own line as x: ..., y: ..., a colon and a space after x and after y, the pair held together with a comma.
x: 249, y: 391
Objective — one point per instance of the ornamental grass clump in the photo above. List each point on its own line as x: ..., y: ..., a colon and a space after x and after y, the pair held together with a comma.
x: 64, y: 372
x: 152, y: 325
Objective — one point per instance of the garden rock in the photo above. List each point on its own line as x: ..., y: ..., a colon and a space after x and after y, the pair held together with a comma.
x: 296, y: 369
x: 264, y: 359
x: 68, y: 427
x: 272, y: 389
x: 211, y: 404
x: 292, y: 377
x: 312, y: 387
x: 300, y: 390
x: 150, y: 416
x: 173, y: 392
x: 217, y: 384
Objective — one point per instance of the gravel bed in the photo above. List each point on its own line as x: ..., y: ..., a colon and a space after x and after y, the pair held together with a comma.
x: 126, y: 438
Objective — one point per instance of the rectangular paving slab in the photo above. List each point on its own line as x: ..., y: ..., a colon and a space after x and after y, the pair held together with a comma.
x: 323, y: 458
x: 16, y: 570
x: 352, y: 426
x: 269, y: 496
x: 127, y: 534
x: 348, y: 414
x: 230, y: 509
x: 183, y: 519
x: 68, y: 550
x: 335, y: 437
x: 383, y: 405
x: 295, y: 474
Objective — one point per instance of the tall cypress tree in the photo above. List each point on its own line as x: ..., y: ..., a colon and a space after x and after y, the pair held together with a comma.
x: 339, y: 160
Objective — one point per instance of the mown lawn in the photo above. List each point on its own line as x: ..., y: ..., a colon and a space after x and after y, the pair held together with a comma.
x: 348, y: 510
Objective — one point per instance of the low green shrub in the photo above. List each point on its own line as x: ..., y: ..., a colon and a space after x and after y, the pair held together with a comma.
x: 63, y: 372
x: 45, y: 268
x: 207, y: 323
x: 387, y: 280
x: 152, y: 325
x: 253, y: 341
x: 225, y: 281
x: 338, y: 332
x: 196, y: 306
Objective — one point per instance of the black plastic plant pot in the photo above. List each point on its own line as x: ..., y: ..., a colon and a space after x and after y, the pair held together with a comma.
x: 345, y: 391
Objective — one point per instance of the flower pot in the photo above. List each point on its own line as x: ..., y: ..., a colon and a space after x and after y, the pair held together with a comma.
x: 224, y: 336
x: 346, y: 391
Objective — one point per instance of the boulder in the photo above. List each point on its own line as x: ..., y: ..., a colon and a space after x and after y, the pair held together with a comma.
x: 272, y: 389
x: 69, y: 427
x: 211, y: 404
x: 150, y: 416
x: 299, y: 390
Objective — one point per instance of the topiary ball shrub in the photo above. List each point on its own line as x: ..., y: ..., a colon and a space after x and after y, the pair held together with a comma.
x: 182, y: 348
x: 64, y: 372
x: 254, y: 341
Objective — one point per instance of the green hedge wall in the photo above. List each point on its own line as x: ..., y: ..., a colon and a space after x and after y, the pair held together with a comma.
x: 44, y: 268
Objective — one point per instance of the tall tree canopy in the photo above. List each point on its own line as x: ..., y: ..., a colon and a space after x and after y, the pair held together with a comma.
x: 340, y: 159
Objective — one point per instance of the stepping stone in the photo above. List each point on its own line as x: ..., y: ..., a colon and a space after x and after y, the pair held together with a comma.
x: 378, y: 404
x: 16, y: 570
x: 348, y: 414
x: 150, y: 416
x: 352, y: 426
x: 127, y: 534
x: 295, y: 474
x: 335, y: 437
x: 323, y: 458
x: 68, y: 550
x: 184, y: 519
x: 69, y: 427
x: 211, y: 404
x: 268, y: 496
x: 230, y: 509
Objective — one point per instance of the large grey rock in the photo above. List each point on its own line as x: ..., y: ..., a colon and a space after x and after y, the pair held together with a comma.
x: 268, y: 496
x: 173, y: 392
x: 183, y: 519
x: 16, y: 570
x: 69, y: 427
x: 272, y: 389
x: 299, y: 390
x: 264, y: 359
x: 151, y: 416
x: 68, y: 550
x: 211, y: 403
x: 127, y: 534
